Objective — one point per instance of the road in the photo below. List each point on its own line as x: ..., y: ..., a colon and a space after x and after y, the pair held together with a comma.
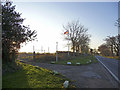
x: 84, y: 76
x: 111, y: 65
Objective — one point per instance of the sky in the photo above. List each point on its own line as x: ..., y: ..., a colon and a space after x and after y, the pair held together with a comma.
x: 48, y: 18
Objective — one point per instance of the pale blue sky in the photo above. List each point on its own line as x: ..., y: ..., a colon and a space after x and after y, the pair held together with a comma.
x: 47, y: 19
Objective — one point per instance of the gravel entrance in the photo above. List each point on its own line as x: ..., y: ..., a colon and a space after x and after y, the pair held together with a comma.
x: 84, y: 76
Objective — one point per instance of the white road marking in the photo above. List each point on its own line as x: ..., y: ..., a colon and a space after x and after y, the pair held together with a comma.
x: 109, y: 70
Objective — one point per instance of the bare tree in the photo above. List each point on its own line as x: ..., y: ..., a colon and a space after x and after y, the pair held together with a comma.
x: 113, y: 43
x: 109, y: 41
x: 104, y: 50
x: 77, y: 35
x: 83, y: 42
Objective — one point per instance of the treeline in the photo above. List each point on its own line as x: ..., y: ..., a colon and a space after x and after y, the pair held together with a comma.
x: 111, y: 47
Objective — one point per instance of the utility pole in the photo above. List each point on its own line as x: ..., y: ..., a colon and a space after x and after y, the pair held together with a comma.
x: 56, y: 51
x: 119, y: 40
x: 41, y: 49
x: 44, y: 51
x: 119, y: 26
x: 48, y: 49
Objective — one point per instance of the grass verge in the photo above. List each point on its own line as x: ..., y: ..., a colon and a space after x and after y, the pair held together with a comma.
x: 62, y: 59
x: 112, y: 57
x: 33, y: 77
x: 83, y: 60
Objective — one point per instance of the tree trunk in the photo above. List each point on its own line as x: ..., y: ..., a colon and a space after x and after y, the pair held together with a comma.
x: 73, y: 49
x: 78, y: 49
x: 112, y: 50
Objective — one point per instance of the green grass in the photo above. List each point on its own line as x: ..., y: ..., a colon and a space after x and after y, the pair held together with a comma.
x: 80, y: 59
x: 62, y: 59
x: 113, y: 57
x: 40, y: 58
x: 32, y: 77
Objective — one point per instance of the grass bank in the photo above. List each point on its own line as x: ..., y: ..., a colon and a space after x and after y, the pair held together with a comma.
x: 33, y: 77
x: 43, y: 58
x: 113, y: 57
x: 62, y: 59
x: 83, y: 60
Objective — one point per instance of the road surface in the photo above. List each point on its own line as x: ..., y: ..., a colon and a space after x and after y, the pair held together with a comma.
x: 111, y: 65
x: 84, y: 76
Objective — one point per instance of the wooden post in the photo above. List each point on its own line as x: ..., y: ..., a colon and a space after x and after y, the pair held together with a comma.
x: 34, y: 56
x: 91, y: 51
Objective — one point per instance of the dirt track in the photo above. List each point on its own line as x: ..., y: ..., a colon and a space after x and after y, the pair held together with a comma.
x: 85, y: 76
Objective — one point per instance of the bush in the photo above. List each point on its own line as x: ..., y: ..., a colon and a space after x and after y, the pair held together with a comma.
x: 10, y: 67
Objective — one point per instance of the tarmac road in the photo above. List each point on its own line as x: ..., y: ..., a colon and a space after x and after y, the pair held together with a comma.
x: 111, y: 65
x: 83, y: 76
